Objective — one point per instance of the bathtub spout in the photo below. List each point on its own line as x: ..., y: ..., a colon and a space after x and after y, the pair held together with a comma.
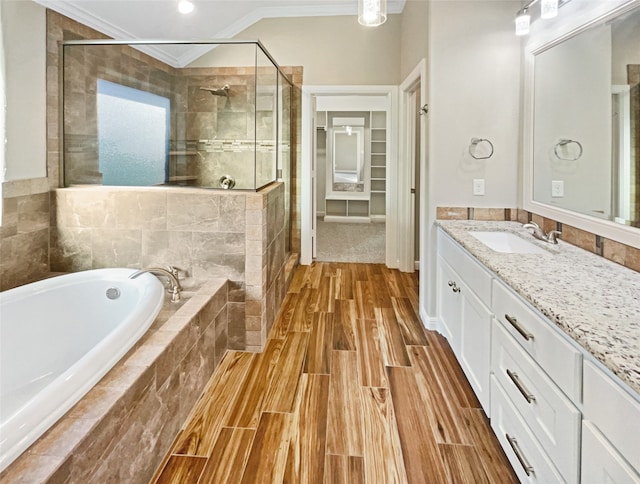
x: 170, y: 273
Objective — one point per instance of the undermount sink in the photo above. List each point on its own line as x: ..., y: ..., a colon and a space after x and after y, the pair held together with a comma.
x: 507, y: 242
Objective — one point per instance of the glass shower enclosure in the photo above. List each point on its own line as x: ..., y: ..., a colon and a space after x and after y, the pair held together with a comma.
x: 211, y: 114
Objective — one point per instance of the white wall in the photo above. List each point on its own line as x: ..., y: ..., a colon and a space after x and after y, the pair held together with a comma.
x: 332, y: 50
x: 474, y: 85
x: 24, y: 34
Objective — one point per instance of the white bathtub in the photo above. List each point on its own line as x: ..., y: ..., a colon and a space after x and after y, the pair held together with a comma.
x: 58, y: 337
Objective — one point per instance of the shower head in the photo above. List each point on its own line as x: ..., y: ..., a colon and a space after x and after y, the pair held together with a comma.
x: 222, y: 91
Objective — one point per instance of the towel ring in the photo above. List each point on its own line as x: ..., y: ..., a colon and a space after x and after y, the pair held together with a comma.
x: 565, y: 142
x: 475, y: 142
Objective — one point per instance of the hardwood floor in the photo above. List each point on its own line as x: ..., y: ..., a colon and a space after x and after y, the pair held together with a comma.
x: 349, y: 389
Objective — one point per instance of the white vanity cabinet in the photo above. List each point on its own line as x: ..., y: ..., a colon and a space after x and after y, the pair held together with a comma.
x: 611, y: 430
x: 464, y: 297
x: 559, y: 414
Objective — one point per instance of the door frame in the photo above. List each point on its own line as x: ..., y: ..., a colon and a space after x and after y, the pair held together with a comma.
x: 408, y: 119
x: 308, y: 172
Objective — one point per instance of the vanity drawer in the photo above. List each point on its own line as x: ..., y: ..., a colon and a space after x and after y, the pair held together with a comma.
x: 475, y: 276
x: 528, y: 458
x: 540, y: 339
x: 549, y: 414
x: 613, y: 411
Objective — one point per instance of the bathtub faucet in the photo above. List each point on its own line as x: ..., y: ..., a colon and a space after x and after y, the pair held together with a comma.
x: 170, y: 273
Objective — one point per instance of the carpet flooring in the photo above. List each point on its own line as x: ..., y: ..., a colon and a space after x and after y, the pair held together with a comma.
x: 350, y: 242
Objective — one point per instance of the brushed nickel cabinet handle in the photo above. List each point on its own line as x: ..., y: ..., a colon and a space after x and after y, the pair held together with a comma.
x: 521, y: 458
x: 454, y: 287
x: 529, y: 397
x: 519, y: 328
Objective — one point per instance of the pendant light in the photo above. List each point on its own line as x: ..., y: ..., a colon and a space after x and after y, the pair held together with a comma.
x: 372, y: 13
x: 548, y: 9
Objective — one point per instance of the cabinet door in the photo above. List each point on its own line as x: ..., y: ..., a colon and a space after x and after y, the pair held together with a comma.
x: 449, y: 304
x: 601, y: 462
x: 475, y: 345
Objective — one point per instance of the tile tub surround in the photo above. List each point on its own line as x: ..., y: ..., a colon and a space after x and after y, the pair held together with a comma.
x: 593, y: 300
x: 610, y: 249
x: 24, y: 234
x: 120, y: 430
x: 235, y: 235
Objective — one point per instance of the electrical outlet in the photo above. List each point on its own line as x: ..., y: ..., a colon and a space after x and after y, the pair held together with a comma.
x: 478, y: 186
x: 557, y: 188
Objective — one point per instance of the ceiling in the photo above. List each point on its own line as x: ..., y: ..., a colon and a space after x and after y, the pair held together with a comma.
x: 210, y: 20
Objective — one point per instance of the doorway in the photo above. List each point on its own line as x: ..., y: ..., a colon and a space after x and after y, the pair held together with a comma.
x: 348, y: 202
x: 412, y: 177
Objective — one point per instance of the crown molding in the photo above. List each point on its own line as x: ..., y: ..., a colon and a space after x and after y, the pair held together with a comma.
x: 79, y: 14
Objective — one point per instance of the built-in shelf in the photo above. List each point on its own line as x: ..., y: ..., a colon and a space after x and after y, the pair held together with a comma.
x: 378, y: 173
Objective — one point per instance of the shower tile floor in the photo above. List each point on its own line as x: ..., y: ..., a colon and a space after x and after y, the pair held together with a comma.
x: 350, y: 242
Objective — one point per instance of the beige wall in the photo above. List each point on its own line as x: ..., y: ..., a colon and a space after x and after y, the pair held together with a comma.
x: 414, y: 38
x: 332, y: 50
x: 23, y: 29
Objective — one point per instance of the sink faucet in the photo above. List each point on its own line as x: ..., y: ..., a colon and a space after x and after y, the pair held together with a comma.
x: 538, y: 233
x: 170, y: 273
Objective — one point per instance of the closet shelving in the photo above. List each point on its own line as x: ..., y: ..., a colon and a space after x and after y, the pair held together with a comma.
x: 356, y: 208
x: 377, y: 204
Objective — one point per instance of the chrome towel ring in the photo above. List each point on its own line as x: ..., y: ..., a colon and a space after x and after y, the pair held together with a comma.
x: 474, y: 144
x: 565, y: 143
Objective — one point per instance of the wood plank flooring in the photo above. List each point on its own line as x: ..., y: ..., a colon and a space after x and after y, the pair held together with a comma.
x: 350, y: 388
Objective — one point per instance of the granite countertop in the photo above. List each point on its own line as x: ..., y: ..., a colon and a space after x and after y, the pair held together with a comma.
x: 593, y: 300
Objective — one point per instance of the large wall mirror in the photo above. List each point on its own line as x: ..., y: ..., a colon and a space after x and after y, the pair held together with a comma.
x: 585, y: 124
x: 347, y: 162
x: 348, y: 159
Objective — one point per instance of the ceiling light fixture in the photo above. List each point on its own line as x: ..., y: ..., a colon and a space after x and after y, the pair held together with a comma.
x: 523, y: 20
x: 372, y: 13
x: 185, y: 7
x: 548, y: 8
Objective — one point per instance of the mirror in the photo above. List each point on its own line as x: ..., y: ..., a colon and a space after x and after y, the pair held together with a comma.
x: 348, y: 157
x: 586, y: 122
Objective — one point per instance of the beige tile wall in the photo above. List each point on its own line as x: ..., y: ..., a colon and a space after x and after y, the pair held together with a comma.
x: 24, y: 234
x: 615, y: 251
x: 207, y: 234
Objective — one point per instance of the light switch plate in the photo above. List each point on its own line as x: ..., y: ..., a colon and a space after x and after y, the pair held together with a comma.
x: 557, y: 188
x: 478, y: 186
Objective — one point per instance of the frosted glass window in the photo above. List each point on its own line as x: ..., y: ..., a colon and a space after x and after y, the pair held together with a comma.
x: 133, y: 135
